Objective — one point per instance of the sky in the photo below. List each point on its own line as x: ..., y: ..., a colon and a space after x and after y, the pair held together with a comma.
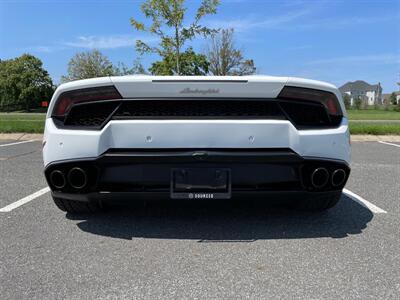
x: 335, y: 41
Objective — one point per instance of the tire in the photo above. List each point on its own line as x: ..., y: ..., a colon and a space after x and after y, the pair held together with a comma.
x: 76, y: 207
x: 317, y: 202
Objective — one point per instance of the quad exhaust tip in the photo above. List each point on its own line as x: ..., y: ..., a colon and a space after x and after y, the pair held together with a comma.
x: 57, y: 179
x: 77, y: 178
x: 319, y: 177
x: 338, y: 177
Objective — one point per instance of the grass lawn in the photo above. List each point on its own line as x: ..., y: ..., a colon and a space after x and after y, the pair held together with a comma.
x: 22, y: 122
x: 373, y: 114
x: 375, y: 128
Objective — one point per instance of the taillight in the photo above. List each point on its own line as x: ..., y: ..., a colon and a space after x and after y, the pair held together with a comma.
x: 329, y: 100
x: 67, y: 99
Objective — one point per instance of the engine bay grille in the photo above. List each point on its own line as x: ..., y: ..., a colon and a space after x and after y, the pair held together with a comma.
x: 91, y: 114
x: 224, y: 109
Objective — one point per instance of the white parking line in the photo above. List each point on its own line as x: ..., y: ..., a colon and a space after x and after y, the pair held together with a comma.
x: 17, y: 143
x: 375, y: 209
x: 25, y: 200
x: 386, y: 143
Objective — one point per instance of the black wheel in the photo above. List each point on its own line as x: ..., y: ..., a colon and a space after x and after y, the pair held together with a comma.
x: 317, y: 202
x: 77, y: 206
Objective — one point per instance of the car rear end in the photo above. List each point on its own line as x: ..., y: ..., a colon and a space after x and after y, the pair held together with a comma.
x: 196, y: 138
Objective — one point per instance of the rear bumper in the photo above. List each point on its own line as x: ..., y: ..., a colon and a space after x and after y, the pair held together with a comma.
x: 64, y: 144
x: 134, y: 174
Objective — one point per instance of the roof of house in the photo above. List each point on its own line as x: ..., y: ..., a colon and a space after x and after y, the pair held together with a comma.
x: 359, y: 85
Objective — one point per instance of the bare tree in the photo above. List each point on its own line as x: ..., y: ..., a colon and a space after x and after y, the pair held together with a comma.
x: 88, y: 65
x: 122, y: 69
x: 224, y: 58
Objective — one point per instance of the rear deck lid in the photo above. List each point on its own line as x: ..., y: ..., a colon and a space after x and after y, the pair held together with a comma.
x: 199, y: 86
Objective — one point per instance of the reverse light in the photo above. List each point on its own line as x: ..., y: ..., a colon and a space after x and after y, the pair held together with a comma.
x: 66, y: 100
x: 328, y: 99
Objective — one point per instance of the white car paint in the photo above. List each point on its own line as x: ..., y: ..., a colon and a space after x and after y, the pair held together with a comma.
x: 62, y: 144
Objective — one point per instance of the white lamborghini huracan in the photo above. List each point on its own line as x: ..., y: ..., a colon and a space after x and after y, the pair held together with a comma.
x: 194, y: 138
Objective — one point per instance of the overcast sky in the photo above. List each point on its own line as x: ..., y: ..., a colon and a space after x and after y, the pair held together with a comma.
x: 334, y: 41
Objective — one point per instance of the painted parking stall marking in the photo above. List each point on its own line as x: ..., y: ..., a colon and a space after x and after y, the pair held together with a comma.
x: 390, y: 144
x: 25, y: 200
x: 372, y: 207
x: 17, y: 143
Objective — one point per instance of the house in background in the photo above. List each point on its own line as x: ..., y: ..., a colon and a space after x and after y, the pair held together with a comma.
x: 386, y: 97
x: 370, y: 94
x: 398, y: 94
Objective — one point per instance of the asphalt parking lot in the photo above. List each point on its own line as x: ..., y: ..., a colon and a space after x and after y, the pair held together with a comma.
x: 237, y: 250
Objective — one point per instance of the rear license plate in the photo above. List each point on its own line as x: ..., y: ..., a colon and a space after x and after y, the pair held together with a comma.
x: 200, y: 183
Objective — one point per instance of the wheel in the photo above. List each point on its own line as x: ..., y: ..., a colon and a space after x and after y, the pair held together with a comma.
x: 76, y: 206
x: 317, y: 202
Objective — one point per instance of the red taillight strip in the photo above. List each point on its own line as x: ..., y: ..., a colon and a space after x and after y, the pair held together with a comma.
x: 67, y: 99
x: 328, y: 99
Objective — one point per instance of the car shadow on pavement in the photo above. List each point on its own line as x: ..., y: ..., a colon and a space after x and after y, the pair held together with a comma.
x: 238, y: 221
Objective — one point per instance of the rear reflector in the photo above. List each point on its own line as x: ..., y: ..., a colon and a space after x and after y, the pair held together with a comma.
x: 67, y: 99
x: 329, y: 100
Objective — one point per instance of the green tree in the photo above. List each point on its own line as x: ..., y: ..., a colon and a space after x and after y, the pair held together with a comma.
x: 167, y: 23
x: 190, y: 64
x: 24, y: 83
x: 88, y: 65
x: 392, y: 98
x: 347, y: 101
x: 358, y: 102
x: 225, y: 58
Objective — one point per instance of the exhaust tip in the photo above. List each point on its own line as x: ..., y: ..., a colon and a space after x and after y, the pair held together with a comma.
x: 338, y: 177
x: 319, y: 177
x: 57, y: 179
x: 77, y: 178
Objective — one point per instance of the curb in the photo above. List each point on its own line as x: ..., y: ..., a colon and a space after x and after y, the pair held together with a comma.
x: 375, y: 138
x: 21, y: 136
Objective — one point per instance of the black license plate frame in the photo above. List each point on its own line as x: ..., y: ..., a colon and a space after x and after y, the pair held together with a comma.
x: 200, y: 183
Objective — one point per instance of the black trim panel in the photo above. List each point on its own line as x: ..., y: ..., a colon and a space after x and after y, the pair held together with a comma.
x: 155, y: 156
x: 148, y: 171
x: 302, y: 114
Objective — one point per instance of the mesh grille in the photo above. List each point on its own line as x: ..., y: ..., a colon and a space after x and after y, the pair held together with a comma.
x: 199, y: 109
x: 90, y: 115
